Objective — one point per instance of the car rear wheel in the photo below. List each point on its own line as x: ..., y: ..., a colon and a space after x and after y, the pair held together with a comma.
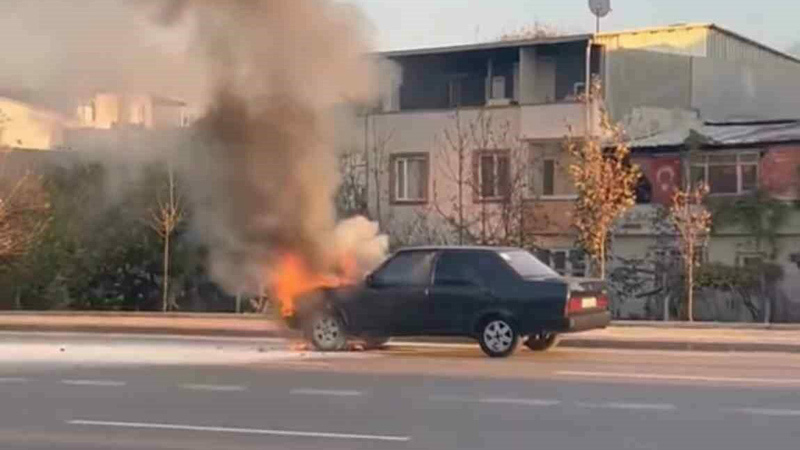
x: 498, y: 338
x: 375, y: 343
x: 542, y: 342
x: 326, y: 332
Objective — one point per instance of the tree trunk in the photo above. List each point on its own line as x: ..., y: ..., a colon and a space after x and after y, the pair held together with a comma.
x: 603, y: 260
x: 165, y: 282
x: 460, y: 197
x: 690, y: 286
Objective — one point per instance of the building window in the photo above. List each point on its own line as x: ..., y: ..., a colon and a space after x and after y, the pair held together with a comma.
x: 567, y: 262
x: 749, y: 259
x: 726, y: 174
x: 409, y: 177
x: 494, y: 175
x: 549, y: 177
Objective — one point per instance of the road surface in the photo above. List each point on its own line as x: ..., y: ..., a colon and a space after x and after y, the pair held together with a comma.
x: 82, y: 392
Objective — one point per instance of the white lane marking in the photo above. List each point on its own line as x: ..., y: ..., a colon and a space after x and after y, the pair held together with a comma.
x: 631, y: 406
x: 497, y: 400
x: 769, y: 412
x: 657, y: 376
x: 520, y: 401
x: 331, y: 392
x: 10, y: 380
x: 93, y: 383
x: 214, y: 387
x: 177, y: 427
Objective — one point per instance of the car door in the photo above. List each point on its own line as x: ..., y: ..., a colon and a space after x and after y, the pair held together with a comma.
x: 460, y: 291
x: 394, y: 297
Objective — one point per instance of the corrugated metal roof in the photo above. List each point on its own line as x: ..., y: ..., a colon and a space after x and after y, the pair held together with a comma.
x: 726, y: 134
x: 581, y: 37
x: 486, y: 46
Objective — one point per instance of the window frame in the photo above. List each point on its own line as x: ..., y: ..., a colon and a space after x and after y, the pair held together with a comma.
x: 496, y: 156
x: 569, y: 268
x: 394, y: 161
x: 704, y: 162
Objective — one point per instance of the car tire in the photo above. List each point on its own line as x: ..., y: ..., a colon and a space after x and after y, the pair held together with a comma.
x: 498, y: 337
x: 326, y: 332
x: 542, y: 342
x: 375, y: 343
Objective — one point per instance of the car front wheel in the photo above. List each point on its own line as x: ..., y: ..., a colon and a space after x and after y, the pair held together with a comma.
x: 326, y: 332
x: 542, y: 342
x: 498, y: 338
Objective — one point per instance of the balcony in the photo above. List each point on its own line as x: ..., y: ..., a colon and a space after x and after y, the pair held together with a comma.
x: 557, y: 120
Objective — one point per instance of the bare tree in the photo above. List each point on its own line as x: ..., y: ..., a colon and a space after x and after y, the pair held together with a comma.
x: 536, y: 30
x: 351, y: 198
x: 489, y: 211
x: 164, y: 220
x: 377, y: 164
x: 605, y: 181
x: 693, y: 222
x: 24, y: 203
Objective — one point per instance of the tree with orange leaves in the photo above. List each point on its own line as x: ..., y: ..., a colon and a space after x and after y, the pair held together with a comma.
x: 604, y: 180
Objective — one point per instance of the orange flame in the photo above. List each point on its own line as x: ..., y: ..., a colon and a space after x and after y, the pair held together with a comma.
x: 293, y: 277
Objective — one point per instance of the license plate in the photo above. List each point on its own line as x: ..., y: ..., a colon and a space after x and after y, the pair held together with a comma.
x: 589, y: 302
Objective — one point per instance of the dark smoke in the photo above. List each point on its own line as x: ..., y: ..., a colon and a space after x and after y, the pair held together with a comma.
x: 260, y: 166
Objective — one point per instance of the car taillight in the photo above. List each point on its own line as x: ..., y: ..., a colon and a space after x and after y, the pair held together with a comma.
x: 578, y: 303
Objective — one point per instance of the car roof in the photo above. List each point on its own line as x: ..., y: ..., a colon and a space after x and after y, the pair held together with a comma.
x: 430, y: 248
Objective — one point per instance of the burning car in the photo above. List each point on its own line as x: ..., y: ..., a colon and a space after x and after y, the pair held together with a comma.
x: 499, y: 296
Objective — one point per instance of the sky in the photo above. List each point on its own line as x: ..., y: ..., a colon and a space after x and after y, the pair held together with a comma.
x: 400, y: 24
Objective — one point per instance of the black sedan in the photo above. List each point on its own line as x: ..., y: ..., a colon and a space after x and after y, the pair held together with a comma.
x: 498, y: 296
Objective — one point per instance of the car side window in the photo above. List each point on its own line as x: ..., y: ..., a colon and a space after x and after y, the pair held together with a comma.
x: 410, y: 268
x: 475, y: 268
x: 456, y: 269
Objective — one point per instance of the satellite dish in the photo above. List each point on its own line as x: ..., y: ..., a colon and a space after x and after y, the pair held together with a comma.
x: 600, y: 8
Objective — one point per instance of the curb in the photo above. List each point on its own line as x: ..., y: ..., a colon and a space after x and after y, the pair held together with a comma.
x: 687, y: 346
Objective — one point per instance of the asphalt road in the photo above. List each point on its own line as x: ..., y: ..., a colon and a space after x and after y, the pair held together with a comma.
x: 82, y: 392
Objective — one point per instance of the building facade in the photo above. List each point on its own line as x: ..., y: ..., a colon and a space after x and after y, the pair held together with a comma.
x: 469, y: 136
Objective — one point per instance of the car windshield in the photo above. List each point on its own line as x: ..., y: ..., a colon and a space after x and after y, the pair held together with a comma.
x: 527, y: 265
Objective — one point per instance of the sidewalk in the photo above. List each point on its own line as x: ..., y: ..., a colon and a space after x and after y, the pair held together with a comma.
x: 621, y: 335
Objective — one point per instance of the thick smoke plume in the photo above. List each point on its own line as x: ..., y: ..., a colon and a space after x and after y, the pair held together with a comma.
x: 260, y: 166
x: 278, y: 70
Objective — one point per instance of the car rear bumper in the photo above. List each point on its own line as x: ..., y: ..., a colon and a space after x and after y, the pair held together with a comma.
x: 588, y: 321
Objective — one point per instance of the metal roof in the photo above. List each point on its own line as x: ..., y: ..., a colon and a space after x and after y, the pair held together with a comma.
x: 580, y: 38
x: 726, y: 134
x: 487, y: 46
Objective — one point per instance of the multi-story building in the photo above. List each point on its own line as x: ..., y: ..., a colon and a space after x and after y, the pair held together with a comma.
x: 462, y: 130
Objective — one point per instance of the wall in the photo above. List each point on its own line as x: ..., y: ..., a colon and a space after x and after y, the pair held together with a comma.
x: 528, y: 76
x: 556, y: 120
x: 644, y: 78
x: 415, y: 132
x: 30, y: 127
x: 726, y: 90
x: 779, y: 167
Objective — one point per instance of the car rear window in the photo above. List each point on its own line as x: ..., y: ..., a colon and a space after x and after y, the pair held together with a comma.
x: 527, y: 265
